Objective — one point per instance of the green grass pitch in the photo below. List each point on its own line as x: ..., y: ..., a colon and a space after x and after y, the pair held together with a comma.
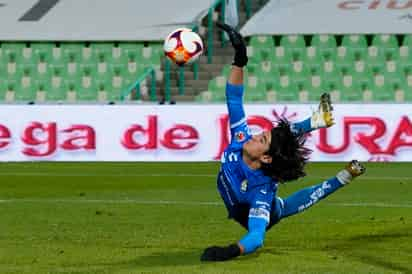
x: 158, y: 217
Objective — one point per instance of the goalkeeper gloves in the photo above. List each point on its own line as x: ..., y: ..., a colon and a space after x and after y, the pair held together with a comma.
x: 238, y: 44
x: 217, y: 253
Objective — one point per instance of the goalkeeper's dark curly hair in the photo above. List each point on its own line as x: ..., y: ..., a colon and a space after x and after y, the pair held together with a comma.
x: 289, y: 155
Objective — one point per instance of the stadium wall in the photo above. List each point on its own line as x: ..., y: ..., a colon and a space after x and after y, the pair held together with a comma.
x: 368, y: 132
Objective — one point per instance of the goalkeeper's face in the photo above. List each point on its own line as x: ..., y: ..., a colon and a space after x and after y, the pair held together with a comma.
x: 257, y: 147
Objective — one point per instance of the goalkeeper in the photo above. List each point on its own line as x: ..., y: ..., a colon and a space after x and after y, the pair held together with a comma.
x: 252, y: 166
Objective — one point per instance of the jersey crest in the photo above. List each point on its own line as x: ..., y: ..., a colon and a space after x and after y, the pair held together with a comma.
x: 240, y: 136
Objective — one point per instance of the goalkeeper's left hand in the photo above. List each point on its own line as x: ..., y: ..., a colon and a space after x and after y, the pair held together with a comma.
x: 217, y: 253
x: 239, y: 45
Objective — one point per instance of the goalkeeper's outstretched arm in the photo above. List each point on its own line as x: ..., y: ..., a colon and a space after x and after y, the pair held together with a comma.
x: 240, y: 59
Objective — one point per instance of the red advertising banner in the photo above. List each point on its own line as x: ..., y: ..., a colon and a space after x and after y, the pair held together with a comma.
x: 368, y: 132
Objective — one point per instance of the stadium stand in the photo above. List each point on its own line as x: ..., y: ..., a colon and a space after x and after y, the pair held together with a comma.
x: 353, y: 67
x: 282, y: 67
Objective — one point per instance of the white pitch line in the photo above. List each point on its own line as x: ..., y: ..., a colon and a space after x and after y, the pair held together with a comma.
x: 41, y: 174
x: 194, y: 203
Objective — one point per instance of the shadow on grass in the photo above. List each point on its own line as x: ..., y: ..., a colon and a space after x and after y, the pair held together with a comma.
x: 366, y: 249
x: 169, y: 258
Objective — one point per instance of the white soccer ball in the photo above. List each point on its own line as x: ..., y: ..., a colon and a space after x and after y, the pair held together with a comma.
x: 183, y: 46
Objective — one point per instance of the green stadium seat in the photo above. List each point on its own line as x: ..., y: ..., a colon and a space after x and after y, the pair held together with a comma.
x: 16, y: 52
x: 151, y: 55
x: 255, y: 89
x: 375, y: 60
x: 407, y: 94
x: 102, y: 50
x: 407, y: 40
x: 313, y: 59
x: 393, y: 74
x: 130, y: 50
x: 282, y: 59
x: 72, y: 52
x: 356, y: 46
x: 268, y: 71
x: 286, y: 90
x: 262, y: 41
x: 3, y: 90
x: 388, y: 44
x: 114, y: 87
x: 295, y: 44
x: 405, y: 59
x: 260, y: 47
x: 385, y: 41
x: 354, y: 41
x: 43, y: 52
x: 344, y: 62
x: 325, y: 44
x: 56, y: 93
x: 300, y: 70
x: 350, y: 90
x: 25, y: 91
x: 217, y: 88
x: 382, y: 90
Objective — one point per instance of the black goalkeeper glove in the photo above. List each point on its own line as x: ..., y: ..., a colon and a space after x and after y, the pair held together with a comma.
x: 238, y: 44
x: 217, y: 253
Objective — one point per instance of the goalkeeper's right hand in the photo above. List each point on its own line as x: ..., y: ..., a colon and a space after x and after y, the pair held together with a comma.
x: 238, y: 44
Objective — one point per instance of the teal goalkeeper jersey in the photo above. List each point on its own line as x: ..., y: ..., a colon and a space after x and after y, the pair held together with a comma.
x: 245, y: 185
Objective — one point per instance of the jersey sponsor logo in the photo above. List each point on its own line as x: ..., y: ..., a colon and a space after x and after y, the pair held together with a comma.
x: 243, y: 186
x: 240, y: 136
x: 259, y: 213
x: 263, y: 191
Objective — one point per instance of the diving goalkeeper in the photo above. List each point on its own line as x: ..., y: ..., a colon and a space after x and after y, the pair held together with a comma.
x: 252, y: 166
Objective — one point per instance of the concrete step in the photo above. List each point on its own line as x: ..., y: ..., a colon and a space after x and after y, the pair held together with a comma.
x: 191, y: 83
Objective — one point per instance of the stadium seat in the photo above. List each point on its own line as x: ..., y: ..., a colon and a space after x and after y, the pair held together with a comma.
x: 42, y: 52
x: 217, y: 88
x: 375, y: 60
x: 313, y: 59
x: 282, y: 59
x: 350, y: 91
x: 385, y: 41
x: 344, y: 62
x: 56, y: 91
x: 268, y: 71
x: 150, y: 56
x: 382, y: 90
x: 25, y: 91
x: 3, y: 90
x: 16, y: 52
x: 388, y: 44
x: 295, y: 44
x: 260, y: 44
x: 102, y: 51
x: 72, y: 52
x: 130, y: 50
x: 356, y: 46
x: 286, y: 90
x: 255, y: 89
x: 325, y: 44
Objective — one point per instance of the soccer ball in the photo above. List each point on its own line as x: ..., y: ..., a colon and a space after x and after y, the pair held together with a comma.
x: 183, y: 46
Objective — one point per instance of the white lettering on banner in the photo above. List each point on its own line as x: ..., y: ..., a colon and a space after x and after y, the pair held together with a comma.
x: 374, y: 132
x: 375, y: 4
x: 343, y: 17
